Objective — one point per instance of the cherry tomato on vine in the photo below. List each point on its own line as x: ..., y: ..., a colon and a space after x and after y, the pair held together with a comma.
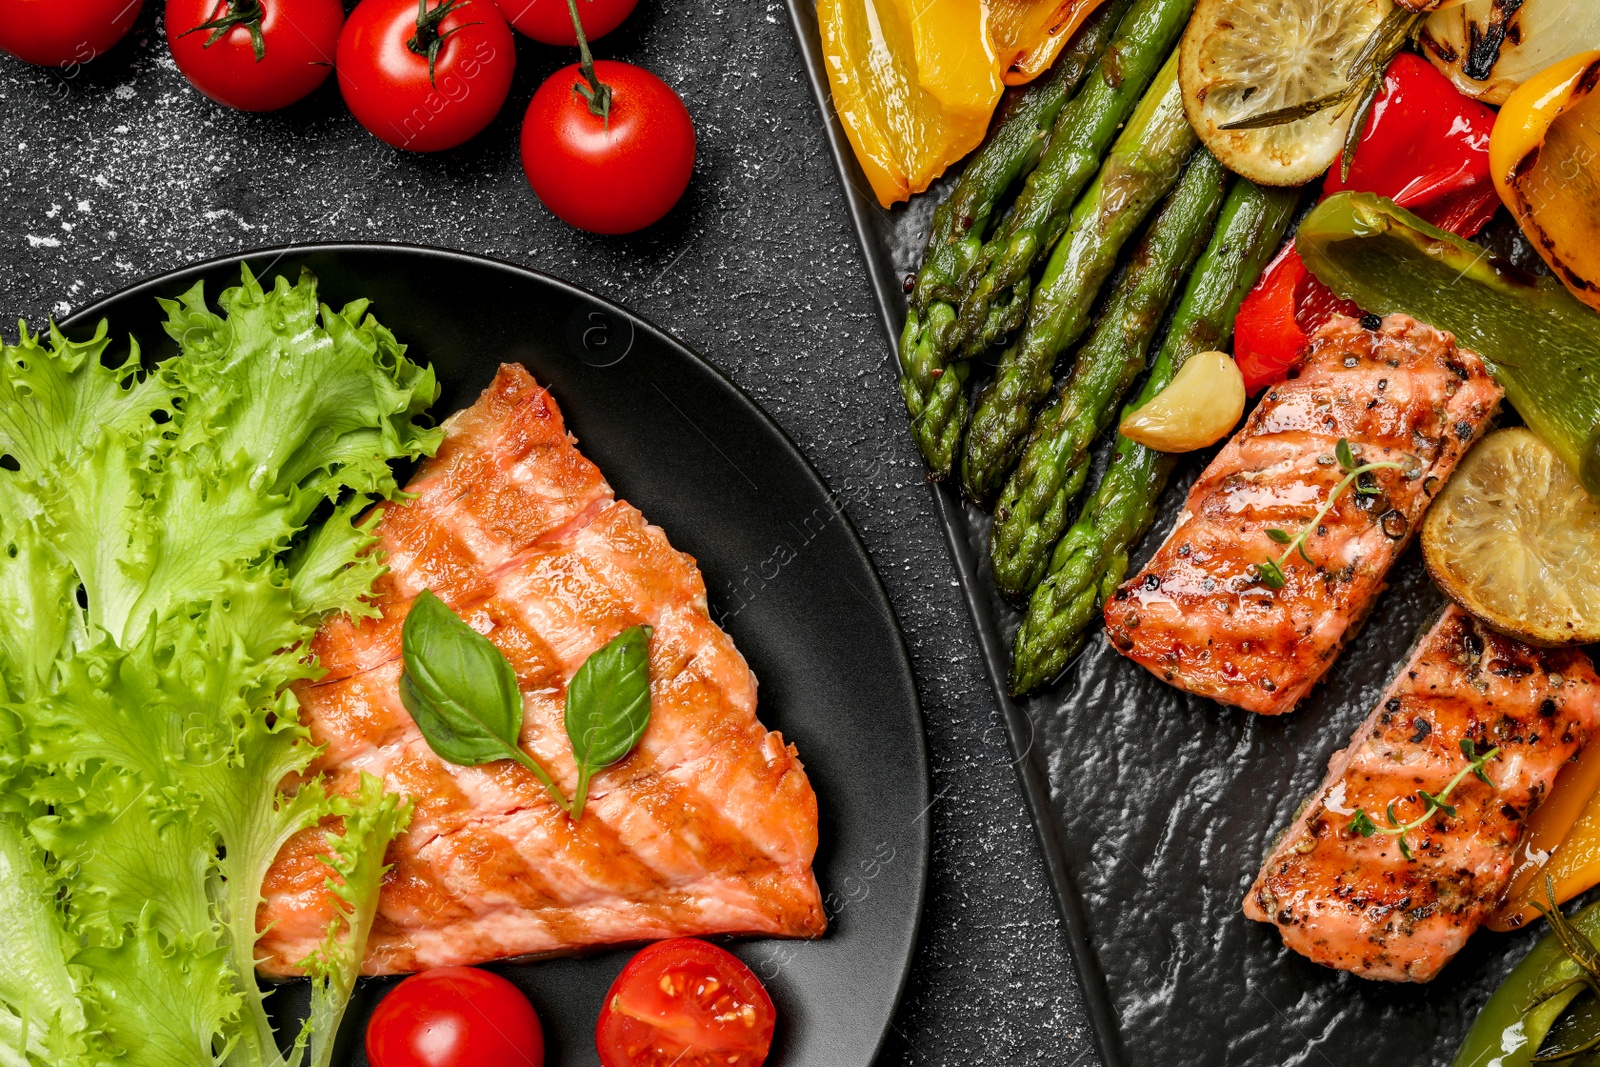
x: 605, y: 173
x: 686, y: 1003
x: 455, y: 1017
x: 60, y: 33
x: 550, y: 21
x: 255, y: 55
x: 425, y: 79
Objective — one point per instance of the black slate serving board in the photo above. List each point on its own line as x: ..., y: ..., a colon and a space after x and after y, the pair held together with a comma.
x: 1155, y: 808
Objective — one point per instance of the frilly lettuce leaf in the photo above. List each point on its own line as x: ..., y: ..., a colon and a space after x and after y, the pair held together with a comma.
x: 57, y: 399
x: 43, y: 1019
x: 170, y: 537
x: 371, y: 819
x: 187, y: 977
x: 37, y: 587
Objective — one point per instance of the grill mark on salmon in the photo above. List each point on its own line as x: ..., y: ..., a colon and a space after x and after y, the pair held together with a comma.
x: 506, y: 477
x: 1357, y: 904
x: 708, y: 826
x: 1197, y: 616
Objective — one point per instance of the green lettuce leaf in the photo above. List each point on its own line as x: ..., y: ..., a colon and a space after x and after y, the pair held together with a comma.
x: 170, y: 537
x: 41, y: 1018
x: 355, y: 858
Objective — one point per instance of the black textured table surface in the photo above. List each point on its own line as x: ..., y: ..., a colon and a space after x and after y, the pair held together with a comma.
x: 121, y: 171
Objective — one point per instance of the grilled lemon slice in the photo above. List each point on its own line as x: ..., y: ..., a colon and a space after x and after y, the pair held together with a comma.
x: 1243, y: 58
x: 1515, y: 539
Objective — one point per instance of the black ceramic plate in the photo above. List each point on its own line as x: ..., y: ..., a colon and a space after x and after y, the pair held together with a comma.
x: 696, y: 455
x: 1155, y: 808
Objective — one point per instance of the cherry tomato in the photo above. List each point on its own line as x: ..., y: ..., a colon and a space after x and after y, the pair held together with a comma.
x: 255, y: 55
x: 384, y: 69
x: 60, y: 33
x: 608, y: 175
x: 550, y: 21
x: 685, y: 1003
x: 455, y: 1017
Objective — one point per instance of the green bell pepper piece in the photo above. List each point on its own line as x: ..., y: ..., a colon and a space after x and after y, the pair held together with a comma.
x: 1540, y: 342
x: 1506, y: 1033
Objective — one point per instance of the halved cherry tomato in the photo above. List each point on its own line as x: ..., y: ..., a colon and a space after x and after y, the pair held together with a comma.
x: 608, y: 174
x: 61, y: 33
x: 685, y: 1003
x: 550, y: 21
x: 455, y: 1017
x: 255, y: 55
x: 428, y: 78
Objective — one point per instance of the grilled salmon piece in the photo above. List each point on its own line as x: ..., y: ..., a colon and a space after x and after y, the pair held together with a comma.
x: 1357, y: 903
x: 1199, y: 617
x: 505, y: 477
x: 708, y: 826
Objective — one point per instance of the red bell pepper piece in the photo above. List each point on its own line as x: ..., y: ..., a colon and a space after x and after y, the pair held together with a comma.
x: 1266, y: 338
x: 1426, y: 147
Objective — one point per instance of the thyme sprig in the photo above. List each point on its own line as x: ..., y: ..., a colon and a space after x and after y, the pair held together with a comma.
x: 1361, y: 823
x: 1271, y: 571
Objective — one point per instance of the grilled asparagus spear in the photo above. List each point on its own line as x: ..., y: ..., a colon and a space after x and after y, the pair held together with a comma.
x: 1092, y: 557
x: 1142, y: 168
x: 931, y: 385
x: 996, y: 290
x: 1032, y: 511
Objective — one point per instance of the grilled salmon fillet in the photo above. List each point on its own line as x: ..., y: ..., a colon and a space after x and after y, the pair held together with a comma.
x: 1356, y: 903
x: 1199, y: 617
x: 708, y: 826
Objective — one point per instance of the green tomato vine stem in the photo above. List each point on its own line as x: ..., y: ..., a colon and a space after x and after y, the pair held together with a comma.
x: 230, y: 14
x: 428, y: 40
x: 597, y: 92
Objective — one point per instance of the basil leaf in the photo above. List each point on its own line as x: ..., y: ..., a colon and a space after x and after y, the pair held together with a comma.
x: 462, y: 691
x: 608, y: 706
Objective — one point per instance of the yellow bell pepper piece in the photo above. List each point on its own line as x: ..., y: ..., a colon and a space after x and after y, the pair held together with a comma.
x: 1029, y: 34
x: 1544, y: 157
x: 1566, y: 830
x: 914, y: 83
